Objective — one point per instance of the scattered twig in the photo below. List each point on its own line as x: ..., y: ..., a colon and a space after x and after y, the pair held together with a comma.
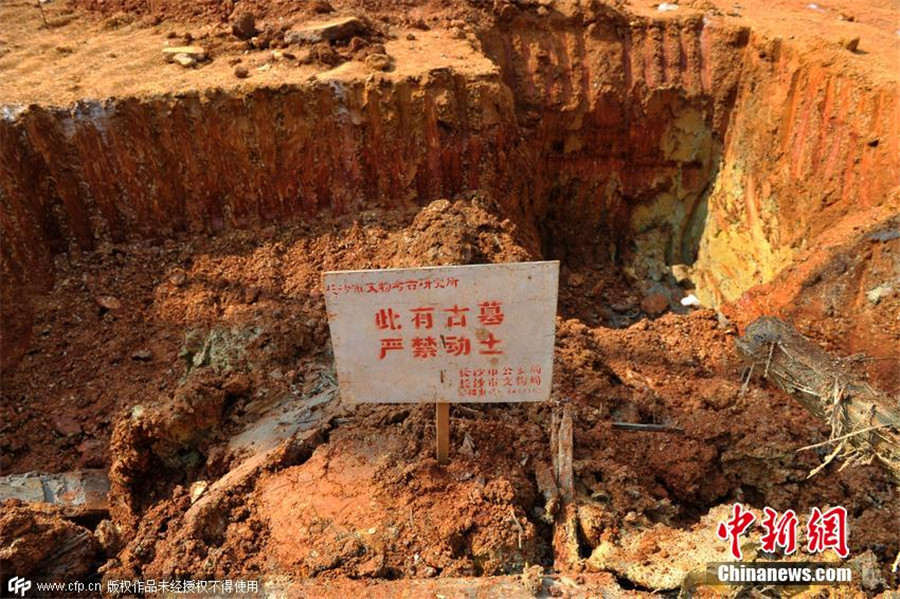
x: 746, y: 384
x: 828, y: 459
x: 512, y: 512
x: 40, y: 6
x: 842, y: 437
x: 647, y: 428
x: 769, y: 359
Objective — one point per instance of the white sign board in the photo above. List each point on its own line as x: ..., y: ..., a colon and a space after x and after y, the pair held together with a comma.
x: 474, y: 334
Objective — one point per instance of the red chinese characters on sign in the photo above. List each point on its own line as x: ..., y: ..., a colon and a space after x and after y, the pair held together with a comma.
x: 389, y: 345
x: 387, y: 319
x: 424, y: 347
x: 457, y: 346
x: 825, y: 530
x: 732, y: 529
x: 490, y: 313
x: 488, y: 346
x: 456, y: 317
x: 481, y: 382
x: 398, y: 286
x: 423, y: 318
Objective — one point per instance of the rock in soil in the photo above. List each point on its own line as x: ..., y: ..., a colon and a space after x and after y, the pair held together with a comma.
x: 172, y: 53
x: 333, y: 30
x: 244, y: 26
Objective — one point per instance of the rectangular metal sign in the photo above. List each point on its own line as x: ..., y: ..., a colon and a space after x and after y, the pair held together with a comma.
x: 476, y: 334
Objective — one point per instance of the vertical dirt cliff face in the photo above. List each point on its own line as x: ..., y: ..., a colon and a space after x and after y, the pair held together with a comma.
x: 138, y: 168
x: 608, y: 137
x: 596, y: 126
x: 595, y: 131
x: 623, y: 120
x: 807, y: 147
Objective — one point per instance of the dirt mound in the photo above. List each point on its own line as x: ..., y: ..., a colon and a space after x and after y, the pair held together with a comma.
x: 379, y: 506
x: 241, y: 449
x: 40, y: 544
x: 230, y: 378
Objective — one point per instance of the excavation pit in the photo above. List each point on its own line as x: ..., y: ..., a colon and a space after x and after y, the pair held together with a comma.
x: 164, y: 236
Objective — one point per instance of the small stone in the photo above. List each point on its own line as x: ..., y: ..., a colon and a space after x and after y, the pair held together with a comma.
x: 334, y: 30
x: 690, y: 301
x: 411, y: 36
x: 108, y: 302
x: 321, y: 7
x: 870, y: 576
x: 198, y: 488
x: 378, y: 62
x: 576, y: 279
x: 851, y: 44
x: 682, y: 274
x: 244, y: 26
x: 108, y: 537
x: 66, y: 425
x: 185, y: 61
x: 241, y: 72
x: 543, y: 11
x: 468, y: 446
x: 178, y: 278
x: 620, y: 307
x: 654, y: 304
x: 198, y: 53
x: 876, y: 294
x: 142, y: 355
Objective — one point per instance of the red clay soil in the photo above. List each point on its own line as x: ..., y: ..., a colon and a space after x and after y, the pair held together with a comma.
x: 182, y: 342
x: 381, y: 508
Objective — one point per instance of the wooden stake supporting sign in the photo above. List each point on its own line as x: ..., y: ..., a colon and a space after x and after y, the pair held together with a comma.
x: 442, y: 431
x: 473, y: 334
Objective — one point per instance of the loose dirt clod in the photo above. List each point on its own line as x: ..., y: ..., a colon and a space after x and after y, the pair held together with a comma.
x: 38, y: 543
x: 244, y: 26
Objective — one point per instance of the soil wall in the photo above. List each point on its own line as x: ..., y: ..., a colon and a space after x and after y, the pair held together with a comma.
x: 615, y: 138
x: 808, y: 145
